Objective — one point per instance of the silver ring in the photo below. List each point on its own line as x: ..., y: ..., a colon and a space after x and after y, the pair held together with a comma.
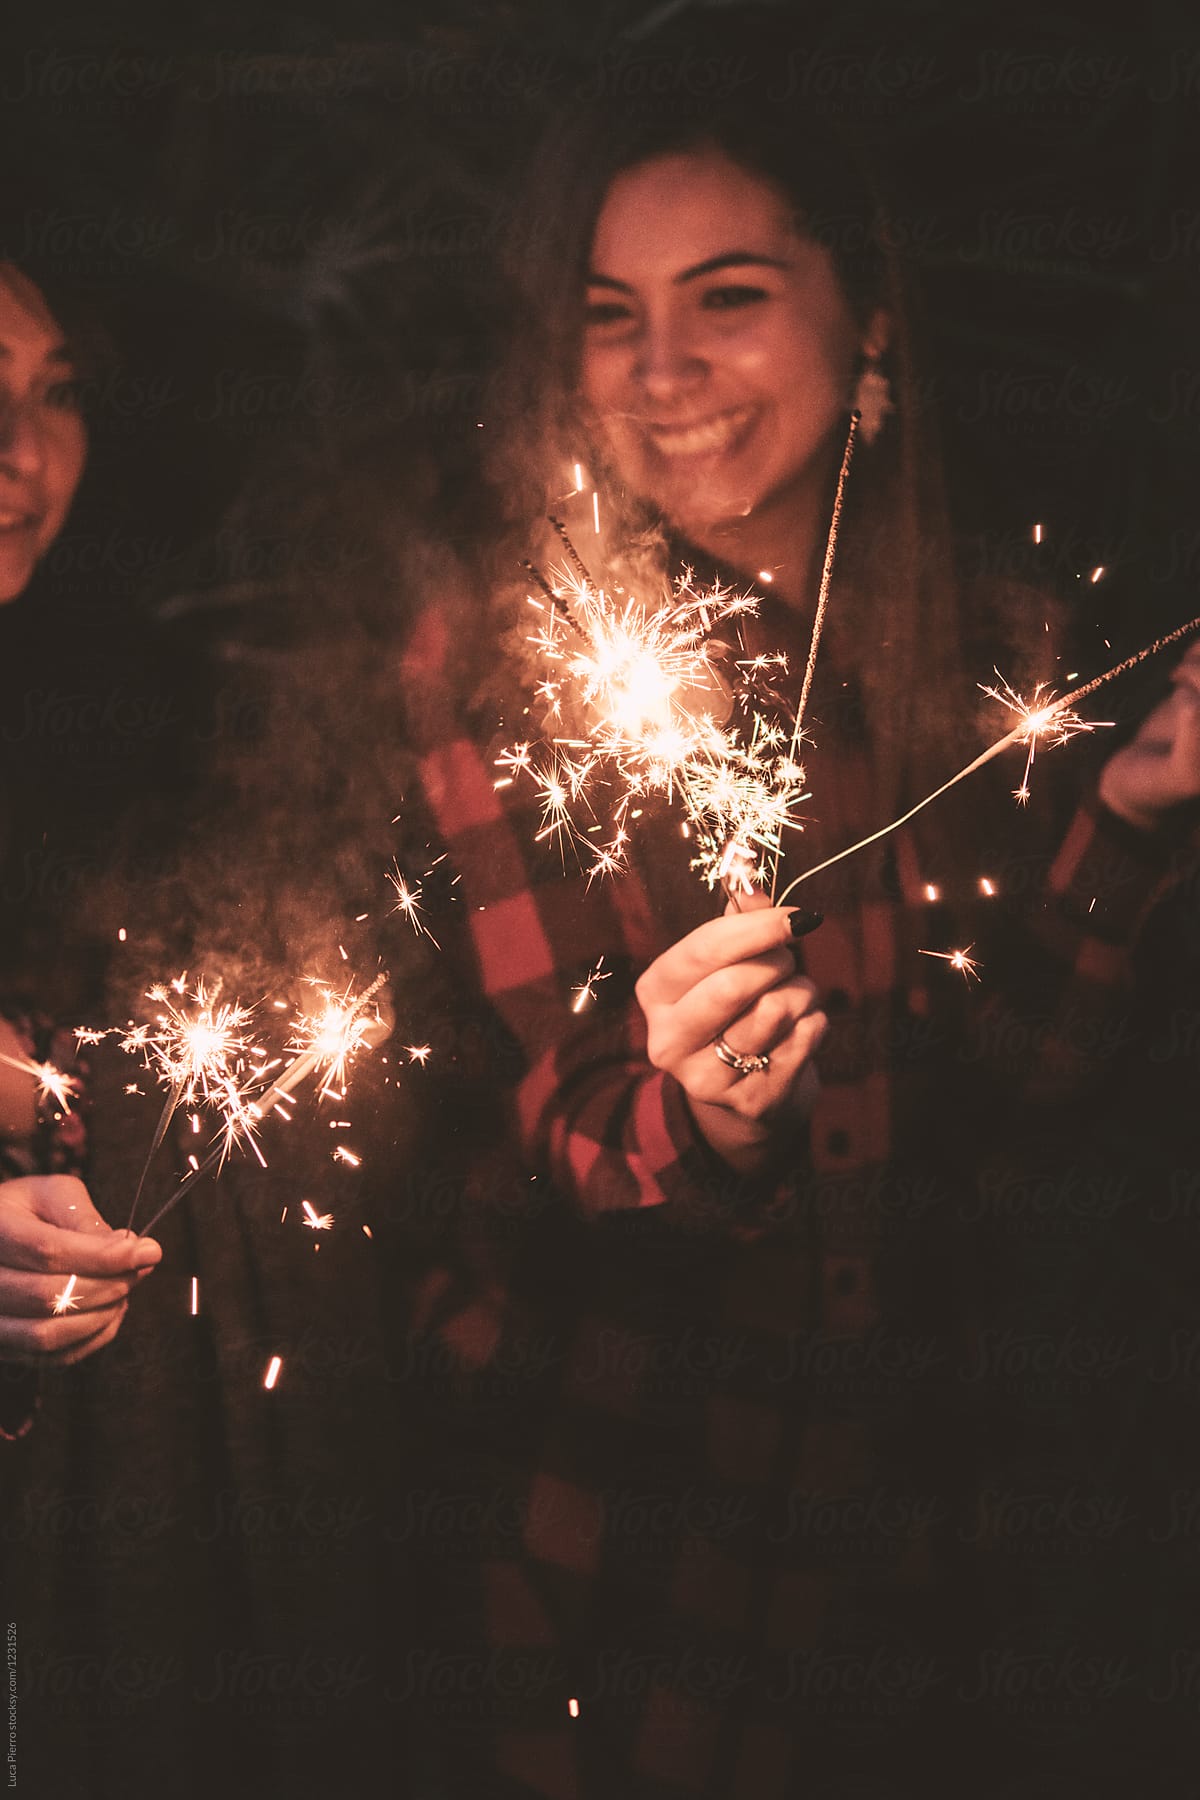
x: 741, y: 1065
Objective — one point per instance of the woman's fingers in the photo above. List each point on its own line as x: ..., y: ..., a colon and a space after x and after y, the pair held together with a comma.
x: 88, y: 1346
x: 54, y: 1336
x: 704, y: 1010
x: 790, y: 1038
x: 717, y: 944
x: 27, y: 1296
x: 49, y: 1233
x: 48, y: 1225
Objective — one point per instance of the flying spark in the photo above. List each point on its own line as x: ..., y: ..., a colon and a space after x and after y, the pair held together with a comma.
x: 64, y: 1300
x: 52, y: 1083
x: 961, y: 960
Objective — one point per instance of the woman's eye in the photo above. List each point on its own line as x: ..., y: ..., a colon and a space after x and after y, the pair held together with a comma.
x: 721, y: 298
x: 64, y: 396
x: 605, y: 312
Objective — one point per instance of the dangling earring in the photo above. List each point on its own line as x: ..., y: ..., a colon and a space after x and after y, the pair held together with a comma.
x: 872, y: 400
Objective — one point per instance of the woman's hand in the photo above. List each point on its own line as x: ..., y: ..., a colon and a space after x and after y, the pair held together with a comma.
x: 49, y: 1231
x: 735, y: 979
x: 1159, y: 769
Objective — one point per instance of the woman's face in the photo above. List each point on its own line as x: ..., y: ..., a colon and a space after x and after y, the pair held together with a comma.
x: 43, y: 442
x: 718, y: 347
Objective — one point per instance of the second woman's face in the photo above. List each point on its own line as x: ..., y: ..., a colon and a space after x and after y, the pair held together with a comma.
x: 43, y: 442
x: 718, y: 347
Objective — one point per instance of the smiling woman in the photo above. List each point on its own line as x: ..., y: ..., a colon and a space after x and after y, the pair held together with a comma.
x: 43, y: 440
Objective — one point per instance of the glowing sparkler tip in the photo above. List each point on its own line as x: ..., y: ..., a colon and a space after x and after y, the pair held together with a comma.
x: 52, y: 1084
x: 64, y: 1300
x: 962, y: 960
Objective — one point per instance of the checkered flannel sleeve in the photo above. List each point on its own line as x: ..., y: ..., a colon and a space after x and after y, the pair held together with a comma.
x: 611, y: 1132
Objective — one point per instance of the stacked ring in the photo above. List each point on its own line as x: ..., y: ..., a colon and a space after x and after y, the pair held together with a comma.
x: 741, y: 1065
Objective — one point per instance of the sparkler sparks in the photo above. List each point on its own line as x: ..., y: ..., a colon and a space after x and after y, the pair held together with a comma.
x: 329, y: 1040
x: 1041, y: 721
x: 64, y: 1300
x: 640, y: 686
x: 52, y: 1083
x: 324, y: 1042
x: 962, y: 960
x: 197, y: 1045
x: 313, y: 1219
x: 585, y: 993
x: 408, y: 898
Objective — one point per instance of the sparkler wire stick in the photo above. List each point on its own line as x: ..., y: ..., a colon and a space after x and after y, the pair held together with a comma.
x: 577, y: 562
x: 1019, y: 733
x: 819, y: 616
x: 160, y: 1131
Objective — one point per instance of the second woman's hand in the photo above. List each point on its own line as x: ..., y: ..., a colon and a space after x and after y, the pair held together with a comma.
x: 49, y: 1232
x: 729, y: 994
x: 1158, y: 771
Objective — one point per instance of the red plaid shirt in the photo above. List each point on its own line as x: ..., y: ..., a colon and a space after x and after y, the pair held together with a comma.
x: 701, y: 1450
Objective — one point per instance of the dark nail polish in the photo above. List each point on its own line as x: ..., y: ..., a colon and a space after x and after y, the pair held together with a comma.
x: 802, y: 922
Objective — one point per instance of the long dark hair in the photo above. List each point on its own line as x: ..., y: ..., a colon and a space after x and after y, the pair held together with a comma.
x: 895, y: 569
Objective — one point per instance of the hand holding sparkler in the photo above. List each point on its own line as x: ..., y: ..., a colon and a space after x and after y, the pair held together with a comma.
x: 737, y: 976
x: 65, y: 1274
x: 1159, y: 769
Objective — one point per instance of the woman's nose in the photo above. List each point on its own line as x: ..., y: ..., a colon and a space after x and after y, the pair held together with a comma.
x: 22, y: 440
x: 667, y: 362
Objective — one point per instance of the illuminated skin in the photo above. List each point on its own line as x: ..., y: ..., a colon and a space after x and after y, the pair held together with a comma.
x: 43, y: 442
x: 718, y: 356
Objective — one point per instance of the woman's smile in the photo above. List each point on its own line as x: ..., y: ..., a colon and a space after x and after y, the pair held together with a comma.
x: 716, y: 434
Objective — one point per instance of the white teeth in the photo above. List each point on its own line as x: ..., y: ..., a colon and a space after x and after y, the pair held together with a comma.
x: 700, y: 440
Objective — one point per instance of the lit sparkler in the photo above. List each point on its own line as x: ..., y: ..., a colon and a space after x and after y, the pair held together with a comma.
x: 408, y: 898
x: 1048, y: 719
x: 642, y: 684
x: 328, y: 1040
x: 52, y: 1083
x: 1040, y: 719
x: 324, y: 1042
x: 962, y: 960
x: 639, y: 686
x: 198, y: 1046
